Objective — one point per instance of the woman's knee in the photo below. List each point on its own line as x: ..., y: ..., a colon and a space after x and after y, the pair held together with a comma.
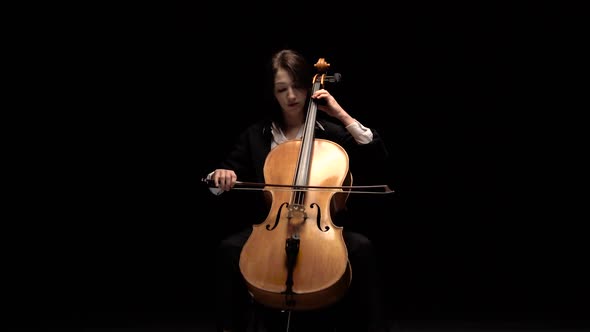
x: 358, y: 244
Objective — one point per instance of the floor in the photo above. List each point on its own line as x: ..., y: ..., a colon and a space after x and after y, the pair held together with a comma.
x: 402, y: 326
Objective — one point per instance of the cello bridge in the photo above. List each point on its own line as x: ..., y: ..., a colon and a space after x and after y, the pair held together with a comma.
x: 297, y: 214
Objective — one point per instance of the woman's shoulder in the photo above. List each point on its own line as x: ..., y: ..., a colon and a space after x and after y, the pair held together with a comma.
x: 257, y: 127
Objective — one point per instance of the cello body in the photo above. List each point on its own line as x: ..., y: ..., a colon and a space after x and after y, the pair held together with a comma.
x: 317, y: 272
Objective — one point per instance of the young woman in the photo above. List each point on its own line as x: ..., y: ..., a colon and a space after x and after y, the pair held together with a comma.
x: 291, y: 76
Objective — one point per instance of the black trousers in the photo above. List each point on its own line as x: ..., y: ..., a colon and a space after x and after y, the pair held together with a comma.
x: 361, y: 309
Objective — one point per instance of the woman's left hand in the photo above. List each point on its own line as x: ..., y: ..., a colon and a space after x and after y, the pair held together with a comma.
x: 327, y: 103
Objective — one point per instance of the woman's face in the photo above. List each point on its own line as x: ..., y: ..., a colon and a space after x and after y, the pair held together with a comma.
x: 291, y: 97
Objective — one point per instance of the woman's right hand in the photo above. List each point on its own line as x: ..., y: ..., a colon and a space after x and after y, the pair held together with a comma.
x: 224, y: 179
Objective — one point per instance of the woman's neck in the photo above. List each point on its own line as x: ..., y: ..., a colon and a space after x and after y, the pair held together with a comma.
x: 292, y: 125
x: 293, y: 121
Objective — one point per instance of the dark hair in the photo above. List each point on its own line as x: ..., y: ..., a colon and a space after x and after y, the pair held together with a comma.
x: 298, y: 68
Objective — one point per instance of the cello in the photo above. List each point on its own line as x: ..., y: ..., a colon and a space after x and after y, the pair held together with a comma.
x: 296, y: 259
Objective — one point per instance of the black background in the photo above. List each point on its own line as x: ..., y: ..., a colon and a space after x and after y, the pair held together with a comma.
x: 483, y: 224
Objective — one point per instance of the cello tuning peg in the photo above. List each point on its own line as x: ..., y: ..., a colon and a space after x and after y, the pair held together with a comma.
x: 335, y: 78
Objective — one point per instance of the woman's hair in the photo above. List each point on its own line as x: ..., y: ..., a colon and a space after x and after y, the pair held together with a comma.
x: 298, y: 68
x: 295, y: 64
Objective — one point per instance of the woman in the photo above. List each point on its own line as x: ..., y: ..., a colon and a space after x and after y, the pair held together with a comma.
x: 291, y: 80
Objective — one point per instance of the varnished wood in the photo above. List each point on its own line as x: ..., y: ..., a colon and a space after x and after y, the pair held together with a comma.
x: 323, y: 273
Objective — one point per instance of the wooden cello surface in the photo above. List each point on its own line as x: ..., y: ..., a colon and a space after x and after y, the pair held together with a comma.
x: 296, y: 259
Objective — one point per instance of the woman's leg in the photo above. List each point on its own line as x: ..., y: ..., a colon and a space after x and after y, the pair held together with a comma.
x: 232, y: 298
x: 363, y: 304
